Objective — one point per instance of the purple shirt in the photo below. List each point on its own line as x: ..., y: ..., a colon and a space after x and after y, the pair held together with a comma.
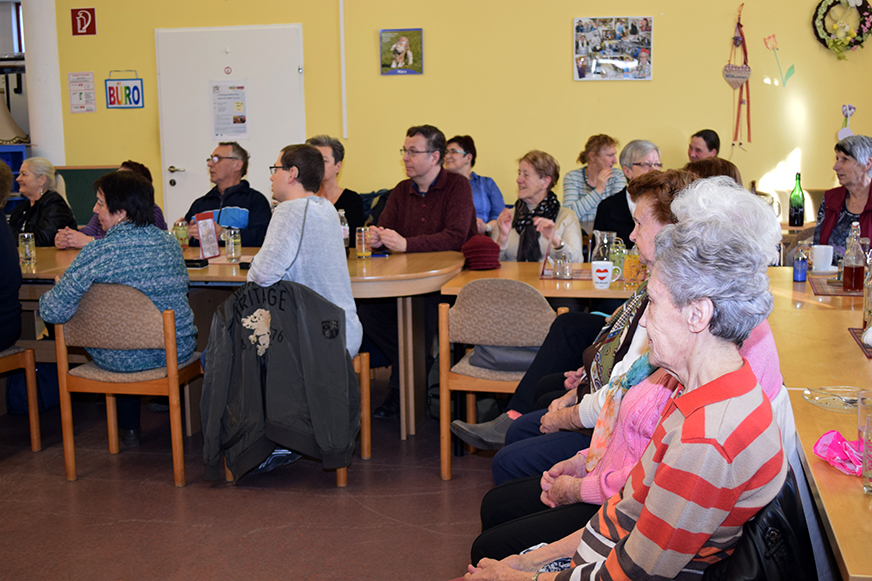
x: 95, y: 231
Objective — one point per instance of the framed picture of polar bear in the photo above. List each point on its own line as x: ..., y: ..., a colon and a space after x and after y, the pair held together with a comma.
x: 401, y: 51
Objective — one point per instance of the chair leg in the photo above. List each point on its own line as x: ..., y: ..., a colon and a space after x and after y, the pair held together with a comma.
x: 228, y: 475
x: 176, y: 435
x: 365, y: 406
x: 112, y: 422
x: 342, y: 477
x: 32, y: 399
x: 471, y: 415
x: 444, y: 394
x: 66, y: 404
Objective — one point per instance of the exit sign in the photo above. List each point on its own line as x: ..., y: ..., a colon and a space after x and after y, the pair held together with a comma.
x: 84, y: 21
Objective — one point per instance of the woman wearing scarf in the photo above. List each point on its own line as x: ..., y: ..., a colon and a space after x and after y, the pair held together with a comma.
x: 537, y: 219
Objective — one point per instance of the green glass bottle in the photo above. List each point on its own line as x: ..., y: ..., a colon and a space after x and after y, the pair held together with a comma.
x: 797, y: 205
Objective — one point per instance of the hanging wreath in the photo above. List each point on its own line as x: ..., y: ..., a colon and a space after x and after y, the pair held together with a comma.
x: 842, y: 25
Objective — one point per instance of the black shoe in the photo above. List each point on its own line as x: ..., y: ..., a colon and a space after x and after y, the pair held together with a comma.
x: 159, y: 404
x: 390, y: 409
x: 129, y: 437
x: 279, y: 457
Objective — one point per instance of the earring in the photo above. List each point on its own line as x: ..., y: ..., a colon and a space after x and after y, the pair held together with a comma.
x: 40, y: 191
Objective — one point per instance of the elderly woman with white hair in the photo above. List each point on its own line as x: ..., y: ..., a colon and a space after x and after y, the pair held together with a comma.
x: 615, y: 213
x: 716, y: 456
x: 850, y: 202
x: 45, y: 211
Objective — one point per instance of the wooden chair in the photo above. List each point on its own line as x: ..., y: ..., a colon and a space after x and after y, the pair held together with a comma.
x: 18, y: 358
x: 361, y: 368
x: 496, y: 312
x: 114, y: 316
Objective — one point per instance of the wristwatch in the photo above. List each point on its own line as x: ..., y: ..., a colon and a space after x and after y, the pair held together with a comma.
x: 559, y: 246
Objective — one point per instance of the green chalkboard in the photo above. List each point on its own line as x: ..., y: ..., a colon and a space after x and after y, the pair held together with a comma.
x: 79, y: 183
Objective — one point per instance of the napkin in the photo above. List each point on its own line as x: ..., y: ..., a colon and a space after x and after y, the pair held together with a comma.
x: 840, y: 453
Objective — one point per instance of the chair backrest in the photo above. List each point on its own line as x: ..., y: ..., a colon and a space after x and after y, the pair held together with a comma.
x: 500, y: 312
x: 115, y: 316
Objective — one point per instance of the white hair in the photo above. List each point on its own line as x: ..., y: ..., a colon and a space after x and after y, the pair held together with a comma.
x: 40, y: 166
x: 724, y: 240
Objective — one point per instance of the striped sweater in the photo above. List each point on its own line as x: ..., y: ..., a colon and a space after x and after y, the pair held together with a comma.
x: 714, y: 461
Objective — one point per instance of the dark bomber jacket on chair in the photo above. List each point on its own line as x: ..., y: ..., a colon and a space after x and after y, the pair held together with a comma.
x: 278, y: 372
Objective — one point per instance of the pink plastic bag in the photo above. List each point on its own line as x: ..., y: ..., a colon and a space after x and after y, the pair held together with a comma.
x: 840, y: 453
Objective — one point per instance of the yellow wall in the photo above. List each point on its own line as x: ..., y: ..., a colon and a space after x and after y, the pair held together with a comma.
x: 500, y: 70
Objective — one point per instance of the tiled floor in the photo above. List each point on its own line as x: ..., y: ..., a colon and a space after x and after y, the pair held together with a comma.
x: 124, y: 519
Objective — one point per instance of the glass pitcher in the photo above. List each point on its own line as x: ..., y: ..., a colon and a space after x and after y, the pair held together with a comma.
x: 602, y: 244
x: 617, y: 251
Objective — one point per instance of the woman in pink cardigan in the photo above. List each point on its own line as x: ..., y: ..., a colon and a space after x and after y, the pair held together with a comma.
x: 524, y: 512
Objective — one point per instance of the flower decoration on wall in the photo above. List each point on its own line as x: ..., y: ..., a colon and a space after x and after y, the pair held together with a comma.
x: 842, y: 25
x: 771, y: 43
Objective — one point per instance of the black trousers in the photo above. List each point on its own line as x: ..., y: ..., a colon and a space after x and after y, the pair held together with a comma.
x: 379, y: 320
x: 513, y: 519
x: 570, y: 334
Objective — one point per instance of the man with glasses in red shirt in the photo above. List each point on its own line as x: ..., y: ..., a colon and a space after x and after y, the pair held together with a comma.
x: 429, y: 212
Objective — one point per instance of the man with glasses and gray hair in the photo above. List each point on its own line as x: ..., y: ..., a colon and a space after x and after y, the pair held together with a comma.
x: 429, y: 212
x: 615, y: 213
x: 233, y: 202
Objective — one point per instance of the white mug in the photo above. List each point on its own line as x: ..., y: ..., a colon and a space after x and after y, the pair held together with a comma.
x: 603, y: 273
x: 822, y: 257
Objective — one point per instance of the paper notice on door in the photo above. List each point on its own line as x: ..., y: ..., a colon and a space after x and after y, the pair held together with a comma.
x: 83, y: 98
x: 229, y: 120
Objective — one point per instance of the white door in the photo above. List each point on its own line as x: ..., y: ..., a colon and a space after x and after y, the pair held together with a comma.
x: 265, y: 61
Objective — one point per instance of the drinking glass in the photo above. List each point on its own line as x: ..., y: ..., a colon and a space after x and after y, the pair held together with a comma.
x: 26, y: 248
x: 232, y: 244
x: 866, y: 445
x: 563, y: 267
x: 864, y: 410
x: 364, y: 245
x: 180, y: 231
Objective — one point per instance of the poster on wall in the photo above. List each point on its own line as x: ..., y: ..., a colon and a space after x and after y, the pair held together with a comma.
x: 613, y: 49
x: 229, y: 115
x: 401, y: 51
x: 83, y: 96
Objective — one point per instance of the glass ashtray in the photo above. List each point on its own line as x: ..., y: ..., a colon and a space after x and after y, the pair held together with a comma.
x: 837, y: 398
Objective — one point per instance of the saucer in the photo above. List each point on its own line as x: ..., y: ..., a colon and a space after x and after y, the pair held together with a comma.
x: 825, y: 397
x: 828, y: 272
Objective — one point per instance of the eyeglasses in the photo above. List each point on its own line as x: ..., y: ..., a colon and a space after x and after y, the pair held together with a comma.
x: 648, y: 165
x: 453, y: 151
x: 274, y: 168
x: 413, y: 152
x: 217, y: 158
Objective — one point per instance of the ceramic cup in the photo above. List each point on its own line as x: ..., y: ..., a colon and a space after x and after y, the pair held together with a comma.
x: 603, y: 273
x: 822, y: 257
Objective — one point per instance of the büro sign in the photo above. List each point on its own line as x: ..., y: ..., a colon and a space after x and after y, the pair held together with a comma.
x: 124, y: 94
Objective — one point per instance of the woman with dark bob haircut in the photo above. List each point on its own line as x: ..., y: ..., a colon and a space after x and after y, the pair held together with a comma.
x: 134, y: 253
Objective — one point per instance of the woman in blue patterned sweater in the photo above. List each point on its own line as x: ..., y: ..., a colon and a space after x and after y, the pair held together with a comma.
x: 137, y: 254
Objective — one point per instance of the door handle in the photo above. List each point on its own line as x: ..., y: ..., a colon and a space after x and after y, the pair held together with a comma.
x: 174, y: 169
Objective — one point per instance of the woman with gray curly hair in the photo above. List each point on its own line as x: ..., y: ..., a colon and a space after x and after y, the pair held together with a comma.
x: 850, y: 202
x: 716, y: 456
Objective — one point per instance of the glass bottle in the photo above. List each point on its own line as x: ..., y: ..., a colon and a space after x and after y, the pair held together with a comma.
x: 343, y: 223
x: 867, y: 300
x: 797, y: 205
x: 854, y: 263
x: 800, y: 265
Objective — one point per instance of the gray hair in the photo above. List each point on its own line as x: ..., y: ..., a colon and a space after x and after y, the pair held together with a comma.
x: 332, y: 143
x: 40, y: 166
x: 857, y: 146
x: 239, y: 153
x: 636, y: 149
x: 724, y: 240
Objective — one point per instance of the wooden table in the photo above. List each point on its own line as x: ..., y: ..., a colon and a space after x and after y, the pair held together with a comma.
x: 845, y: 511
x: 816, y: 350
x: 549, y: 287
x: 400, y: 275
